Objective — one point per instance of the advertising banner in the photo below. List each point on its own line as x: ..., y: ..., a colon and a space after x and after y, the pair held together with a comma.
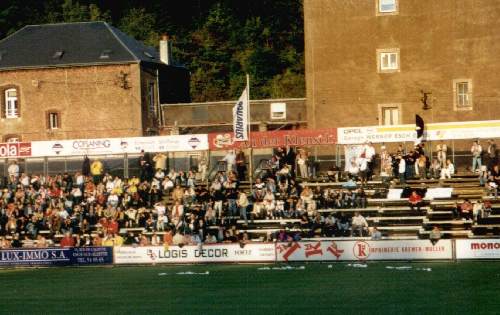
x: 56, y: 256
x: 258, y: 252
x: 272, y: 139
x: 364, y: 250
x: 463, y: 130
x: 15, y: 149
x: 478, y: 249
x: 79, y: 147
x: 240, y: 117
x: 376, y: 134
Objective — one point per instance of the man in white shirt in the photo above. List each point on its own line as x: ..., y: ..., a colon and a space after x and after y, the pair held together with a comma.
x: 401, y: 169
x: 358, y: 225
x: 13, y: 170
x: 230, y: 160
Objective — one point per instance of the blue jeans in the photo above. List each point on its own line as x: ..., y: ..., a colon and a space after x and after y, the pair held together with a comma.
x: 476, y: 161
x: 231, y: 204
x: 243, y: 214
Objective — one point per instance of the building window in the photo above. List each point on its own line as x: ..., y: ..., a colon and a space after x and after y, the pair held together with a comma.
x: 151, y: 98
x: 53, y: 120
x: 385, y: 7
x: 390, y: 114
x: 12, y: 138
x: 388, y: 60
x: 11, y: 104
x: 462, y: 94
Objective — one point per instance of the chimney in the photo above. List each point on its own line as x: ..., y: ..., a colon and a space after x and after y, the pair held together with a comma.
x: 165, y: 50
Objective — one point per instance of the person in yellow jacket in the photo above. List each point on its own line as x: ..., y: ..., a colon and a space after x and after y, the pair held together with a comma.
x: 96, y: 169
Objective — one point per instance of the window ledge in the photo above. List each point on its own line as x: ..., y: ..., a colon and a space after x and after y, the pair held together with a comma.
x: 463, y: 108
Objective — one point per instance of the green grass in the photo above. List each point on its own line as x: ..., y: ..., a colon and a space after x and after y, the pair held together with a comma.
x: 450, y: 288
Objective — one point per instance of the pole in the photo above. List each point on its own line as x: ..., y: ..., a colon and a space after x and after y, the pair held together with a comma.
x: 249, y: 117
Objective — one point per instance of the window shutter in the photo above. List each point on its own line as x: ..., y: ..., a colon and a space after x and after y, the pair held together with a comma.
x: 3, y: 103
x: 47, y: 119
x: 58, y: 120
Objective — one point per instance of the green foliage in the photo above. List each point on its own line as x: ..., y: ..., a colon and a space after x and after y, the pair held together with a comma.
x: 219, y: 41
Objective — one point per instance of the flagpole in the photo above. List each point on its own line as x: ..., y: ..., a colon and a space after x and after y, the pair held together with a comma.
x: 249, y: 128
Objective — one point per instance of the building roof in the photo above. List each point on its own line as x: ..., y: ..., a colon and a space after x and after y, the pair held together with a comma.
x: 71, y: 44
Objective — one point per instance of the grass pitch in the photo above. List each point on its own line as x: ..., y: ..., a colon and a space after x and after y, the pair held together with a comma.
x: 449, y: 288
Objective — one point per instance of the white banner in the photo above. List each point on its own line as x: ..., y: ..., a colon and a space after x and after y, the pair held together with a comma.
x: 257, y: 252
x: 376, y: 134
x: 364, y: 250
x: 437, y: 131
x: 177, y: 143
x: 240, y: 118
x: 463, y: 130
x: 478, y: 249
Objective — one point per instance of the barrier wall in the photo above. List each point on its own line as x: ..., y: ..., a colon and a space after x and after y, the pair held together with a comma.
x: 257, y: 253
x: 210, y: 253
x: 56, y: 256
x: 364, y: 250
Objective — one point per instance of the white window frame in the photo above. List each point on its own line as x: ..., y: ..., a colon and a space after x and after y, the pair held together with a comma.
x: 54, y: 120
x: 9, y: 101
x: 457, y: 95
x: 387, y: 52
x: 379, y: 11
x: 151, y: 98
x: 381, y: 111
x: 12, y: 140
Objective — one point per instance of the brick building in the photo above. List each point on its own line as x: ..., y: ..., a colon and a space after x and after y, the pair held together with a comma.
x: 83, y: 80
x: 373, y: 62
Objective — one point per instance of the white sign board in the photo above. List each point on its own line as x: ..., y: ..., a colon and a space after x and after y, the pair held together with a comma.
x: 478, y: 249
x: 376, y: 134
x: 229, y: 253
x: 364, y: 250
x: 79, y: 147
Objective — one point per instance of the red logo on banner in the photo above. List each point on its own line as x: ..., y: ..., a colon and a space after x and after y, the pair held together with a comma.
x: 287, y: 250
x: 15, y: 149
x: 312, y: 250
x: 272, y: 139
x: 361, y: 250
x: 335, y: 251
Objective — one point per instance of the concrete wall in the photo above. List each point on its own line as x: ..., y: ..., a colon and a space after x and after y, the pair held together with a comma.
x: 439, y: 41
x: 91, y: 102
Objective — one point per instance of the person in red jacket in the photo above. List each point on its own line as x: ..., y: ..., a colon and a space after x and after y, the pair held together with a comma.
x: 67, y: 240
x: 415, y: 200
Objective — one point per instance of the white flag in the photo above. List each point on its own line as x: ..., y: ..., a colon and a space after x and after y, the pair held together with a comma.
x: 240, y: 118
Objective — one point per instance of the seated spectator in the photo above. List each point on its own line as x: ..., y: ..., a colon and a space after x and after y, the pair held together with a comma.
x: 466, y: 210
x: 435, y: 235
x: 477, y: 210
x: 375, y: 234
x: 435, y: 169
x: 415, y: 200
x: 359, y: 225
x: 448, y: 171
x: 67, y: 240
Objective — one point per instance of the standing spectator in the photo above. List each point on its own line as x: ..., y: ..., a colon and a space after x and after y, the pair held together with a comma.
x: 492, y: 153
x: 441, y: 154
x: 96, y: 169
x: 421, y: 166
x: 241, y: 165
x: 230, y: 159
x: 435, y: 169
x: 290, y: 157
x: 370, y: 158
x: 13, y: 170
x: 86, y: 166
x: 302, y: 163
x: 146, y: 167
x: 243, y: 204
x: 160, y: 160
x: 402, y: 170
x: 476, y: 151
x: 203, y: 167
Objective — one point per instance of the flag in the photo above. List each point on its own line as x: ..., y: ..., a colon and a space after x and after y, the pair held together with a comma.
x: 240, y: 117
x: 419, y: 127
